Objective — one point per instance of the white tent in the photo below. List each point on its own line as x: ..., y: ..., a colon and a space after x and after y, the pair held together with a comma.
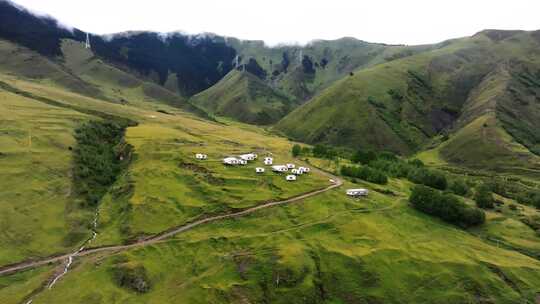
x: 291, y: 166
x: 248, y: 157
x: 280, y: 168
x: 303, y: 169
x: 297, y: 171
x: 231, y: 161
x: 268, y: 161
x: 201, y: 156
x: 291, y: 177
x: 259, y: 170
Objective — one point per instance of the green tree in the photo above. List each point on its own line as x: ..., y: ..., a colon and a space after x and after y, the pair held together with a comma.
x: 459, y: 187
x: 484, y: 197
x: 296, y: 150
x: 364, y: 157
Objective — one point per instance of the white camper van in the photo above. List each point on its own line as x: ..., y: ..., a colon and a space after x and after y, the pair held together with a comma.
x: 357, y: 192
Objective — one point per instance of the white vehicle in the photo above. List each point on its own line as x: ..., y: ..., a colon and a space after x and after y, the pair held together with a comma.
x: 201, y: 156
x: 232, y: 161
x: 280, y: 168
x: 268, y: 161
x: 259, y: 170
x: 248, y: 157
x: 291, y: 166
x: 357, y: 192
x: 291, y: 178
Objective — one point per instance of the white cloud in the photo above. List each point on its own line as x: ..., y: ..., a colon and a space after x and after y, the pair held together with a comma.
x: 392, y: 21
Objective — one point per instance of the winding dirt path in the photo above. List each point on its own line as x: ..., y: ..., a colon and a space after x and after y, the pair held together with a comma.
x: 9, y: 269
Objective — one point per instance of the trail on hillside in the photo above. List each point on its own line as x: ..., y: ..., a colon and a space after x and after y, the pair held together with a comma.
x: 9, y: 269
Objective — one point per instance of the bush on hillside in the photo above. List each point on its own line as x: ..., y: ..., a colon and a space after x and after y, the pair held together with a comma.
x: 322, y: 151
x: 459, y: 187
x: 445, y: 206
x: 296, y: 150
x: 134, y: 278
x: 365, y: 173
x: 483, y: 197
x: 363, y: 157
x: 429, y: 178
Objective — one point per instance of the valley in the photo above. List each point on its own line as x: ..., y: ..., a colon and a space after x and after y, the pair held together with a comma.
x: 103, y: 200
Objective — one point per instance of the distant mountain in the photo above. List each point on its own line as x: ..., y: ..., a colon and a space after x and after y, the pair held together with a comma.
x: 473, y: 101
x: 303, y: 71
x: 403, y: 104
x: 191, y: 63
x: 243, y: 96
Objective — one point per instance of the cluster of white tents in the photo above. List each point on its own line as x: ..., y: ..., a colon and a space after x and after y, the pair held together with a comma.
x: 239, y: 160
x: 292, y: 167
x: 243, y: 159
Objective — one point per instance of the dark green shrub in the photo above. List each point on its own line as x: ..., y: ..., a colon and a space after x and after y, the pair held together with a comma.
x: 365, y: 173
x: 364, y: 157
x: 483, y: 197
x: 427, y: 177
x: 296, y: 150
x: 459, y: 187
x: 445, y: 206
x: 416, y: 163
x: 134, y: 278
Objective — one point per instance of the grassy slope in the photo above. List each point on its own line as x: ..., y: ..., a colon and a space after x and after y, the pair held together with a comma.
x: 343, y: 56
x: 244, y: 97
x: 437, y: 87
x: 117, y: 85
x: 35, y: 212
x: 328, y: 249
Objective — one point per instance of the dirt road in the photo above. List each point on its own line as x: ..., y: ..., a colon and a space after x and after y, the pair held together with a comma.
x: 8, y: 269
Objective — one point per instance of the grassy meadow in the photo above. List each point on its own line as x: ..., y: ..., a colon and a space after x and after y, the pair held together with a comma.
x: 325, y: 249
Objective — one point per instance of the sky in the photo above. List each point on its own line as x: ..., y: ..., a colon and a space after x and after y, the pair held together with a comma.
x: 297, y: 21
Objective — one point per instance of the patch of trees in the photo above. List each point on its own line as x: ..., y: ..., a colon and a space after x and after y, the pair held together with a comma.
x: 99, y: 157
x: 307, y: 65
x: 41, y: 34
x: 254, y: 68
x: 365, y: 173
x: 198, y: 62
x: 413, y: 170
x: 445, y: 206
x: 323, y: 63
x: 516, y: 189
x: 483, y: 197
x: 285, y: 62
x: 132, y: 277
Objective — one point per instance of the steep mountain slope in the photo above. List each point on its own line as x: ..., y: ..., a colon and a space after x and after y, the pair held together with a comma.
x: 243, y: 96
x: 303, y: 71
x: 185, y: 64
x: 402, y: 104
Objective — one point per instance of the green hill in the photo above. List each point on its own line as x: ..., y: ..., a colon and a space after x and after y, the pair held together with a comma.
x: 401, y: 105
x: 303, y: 71
x: 102, y: 195
x: 324, y: 249
x: 244, y: 97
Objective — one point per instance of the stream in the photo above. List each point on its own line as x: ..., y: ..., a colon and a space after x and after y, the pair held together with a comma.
x: 70, y: 257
